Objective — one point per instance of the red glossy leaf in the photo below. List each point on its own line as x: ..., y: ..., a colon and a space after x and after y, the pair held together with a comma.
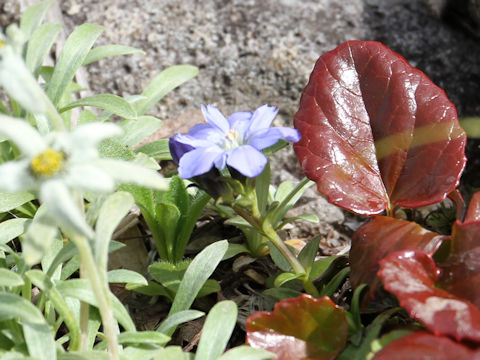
x: 423, y: 345
x: 381, y: 236
x: 300, y: 328
x: 376, y: 132
x: 473, y: 213
x: 411, y: 275
x: 461, y: 271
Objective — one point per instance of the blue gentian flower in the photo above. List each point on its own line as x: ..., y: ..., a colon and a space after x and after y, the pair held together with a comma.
x: 236, y: 142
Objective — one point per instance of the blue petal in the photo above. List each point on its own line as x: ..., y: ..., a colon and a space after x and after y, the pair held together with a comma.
x: 198, y: 161
x: 215, y: 118
x: 221, y: 161
x: 247, y: 160
x: 240, y: 121
x: 265, y: 138
x: 207, y: 132
x: 192, y: 141
x: 178, y: 149
x: 261, y: 119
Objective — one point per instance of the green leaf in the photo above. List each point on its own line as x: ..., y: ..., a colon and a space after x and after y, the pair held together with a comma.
x: 282, y: 293
x: 262, y: 185
x: 69, y: 252
x: 70, y: 267
x: 320, y: 266
x: 113, y: 210
x: 138, y: 338
x: 113, y: 149
x: 372, y: 332
x: 107, y: 51
x: 163, y: 83
x: 33, y: 16
x: 283, y: 190
x: 41, y: 280
x: 279, y: 259
x: 81, y: 289
x: 13, y: 355
x: 13, y: 306
x: 143, y: 337
x: 178, y: 318
x: 308, y: 253
x: 288, y: 201
x: 378, y: 344
x: 94, y: 323
x: 158, y: 150
x: 355, y: 307
x: 285, y: 277
x: 126, y: 276
x: 65, y: 254
x: 84, y: 355
x: 135, y: 131
x: 73, y: 54
x: 185, y: 227
x: 239, y: 222
x: 235, y: 249
x: 219, y: 326
x: 334, y: 284
x: 177, y: 194
x: 86, y: 116
x: 39, y: 236
x: 10, y: 278
x: 11, y: 201
x: 112, y: 103
x: 211, y: 286
x: 197, y: 273
x: 39, y: 46
x: 40, y: 342
x: 275, y: 147
x: 50, y: 255
x: 143, y: 198
x: 46, y: 73
x: 12, y: 228
x: 305, y: 217
x: 167, y: 273
x: 172, y: 353
x: 152, y: 289
x: 245, y: 352
x: 6, y: 111
x: 170, y: 275
x: 39, y: 338
x: 167, y: 219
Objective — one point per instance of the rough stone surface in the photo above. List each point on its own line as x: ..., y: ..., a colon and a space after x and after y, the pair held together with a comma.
x: 255, y: 52
x: 249, y: 52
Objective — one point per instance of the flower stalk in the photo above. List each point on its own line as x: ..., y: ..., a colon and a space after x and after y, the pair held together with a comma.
x: 264, y: 226
x: 297, y: 267
x: 102, y: 294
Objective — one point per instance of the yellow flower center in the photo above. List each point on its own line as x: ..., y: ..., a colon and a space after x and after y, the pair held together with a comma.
x: 2, y: 43
x: 232, y: 135
x: 47, y: 163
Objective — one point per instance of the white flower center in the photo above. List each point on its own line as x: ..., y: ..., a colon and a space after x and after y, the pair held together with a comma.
x: 232, y: 140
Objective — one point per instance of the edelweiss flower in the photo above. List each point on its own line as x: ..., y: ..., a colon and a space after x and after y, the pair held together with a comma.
x: 236, y: 142
x: 54, y: 165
